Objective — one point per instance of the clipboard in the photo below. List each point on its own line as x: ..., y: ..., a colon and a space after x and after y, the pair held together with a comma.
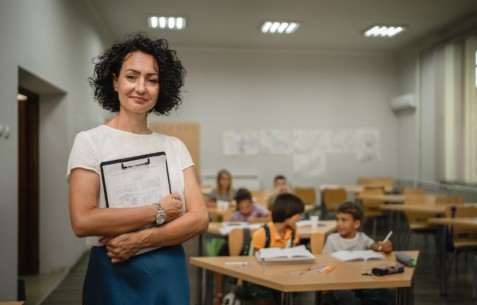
x: 135, y: 181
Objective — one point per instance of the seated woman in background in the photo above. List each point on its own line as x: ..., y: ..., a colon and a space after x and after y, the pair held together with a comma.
x: 223, y: 190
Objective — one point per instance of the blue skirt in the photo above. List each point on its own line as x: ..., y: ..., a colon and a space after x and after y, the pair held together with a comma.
x: 157, y: 277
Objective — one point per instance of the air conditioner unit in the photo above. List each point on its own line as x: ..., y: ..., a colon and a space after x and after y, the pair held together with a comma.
x: 402, y: 102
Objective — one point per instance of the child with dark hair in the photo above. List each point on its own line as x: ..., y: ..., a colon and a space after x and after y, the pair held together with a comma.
x: 248, y: 211
x: 349, y: 216
x: 281, y: 233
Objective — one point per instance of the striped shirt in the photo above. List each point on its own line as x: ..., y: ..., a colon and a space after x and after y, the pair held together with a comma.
x: 334, y: 242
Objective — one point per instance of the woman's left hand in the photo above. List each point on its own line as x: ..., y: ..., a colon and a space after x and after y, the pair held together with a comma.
x: 120, y: 248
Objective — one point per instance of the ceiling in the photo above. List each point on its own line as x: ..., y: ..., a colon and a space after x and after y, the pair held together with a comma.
x: 326, y: 25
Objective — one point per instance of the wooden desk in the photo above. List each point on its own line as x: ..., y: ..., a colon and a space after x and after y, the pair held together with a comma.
x: 467, y: 222
x: 324, y: 227
x: 437, y: 209
x: 391, y: 198
x: 12, y: 303
x: 347, y: 275
x: 355, y: 189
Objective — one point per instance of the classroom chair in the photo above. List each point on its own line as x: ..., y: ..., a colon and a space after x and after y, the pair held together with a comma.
x: 386, y: 182
x: 261, y: 196
x: 331, y: 198
x: 462, y: 239
x: 238, y: 237
x: 410, y: 191
x: 417, y: 221
x: 307, y: 195
x: 372, y: 208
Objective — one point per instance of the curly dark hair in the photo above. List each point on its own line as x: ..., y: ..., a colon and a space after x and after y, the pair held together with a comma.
x: 351, y: 208
x: 108, y: 64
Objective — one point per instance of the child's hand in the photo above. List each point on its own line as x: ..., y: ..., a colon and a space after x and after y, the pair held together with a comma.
x: 252, y: 219
x: 386, y: 246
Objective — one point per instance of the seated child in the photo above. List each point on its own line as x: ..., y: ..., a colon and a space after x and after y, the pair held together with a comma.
x: 348, y: 216
x: 247, y: 210
x: 280, y: 232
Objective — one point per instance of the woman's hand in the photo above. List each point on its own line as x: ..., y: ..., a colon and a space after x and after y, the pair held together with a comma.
x: 122, y: 247
x: 172, y: 206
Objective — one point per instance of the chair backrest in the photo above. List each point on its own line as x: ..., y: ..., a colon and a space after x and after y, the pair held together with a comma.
x: 317, y: 242
x: 443, y: 199
x: 418, y: 220
x: 372, y: 208
x: 462, y: 236
x: 236, y: 240
x: 333, y: 197
x: 409, y: 191
x: 386, y: 182
x: 261, y: 196
x: 227, y: 213
x: 306, y: 194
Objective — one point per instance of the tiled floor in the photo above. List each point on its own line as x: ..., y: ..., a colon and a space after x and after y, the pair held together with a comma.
x: 426, y: 287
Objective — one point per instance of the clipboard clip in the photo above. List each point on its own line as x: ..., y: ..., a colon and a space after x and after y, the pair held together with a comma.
x: 124, y: 166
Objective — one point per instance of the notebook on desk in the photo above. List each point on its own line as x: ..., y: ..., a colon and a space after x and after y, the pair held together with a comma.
x: 357, y: 255
x: 292, y: 255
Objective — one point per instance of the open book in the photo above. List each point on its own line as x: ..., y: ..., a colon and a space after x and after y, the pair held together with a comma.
x: 298, y: 254
x: 357, y: 255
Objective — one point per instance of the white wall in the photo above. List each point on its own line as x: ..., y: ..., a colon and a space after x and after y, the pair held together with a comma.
x: 53, y: 40
x: 407, y: 133
x: 245, y: 89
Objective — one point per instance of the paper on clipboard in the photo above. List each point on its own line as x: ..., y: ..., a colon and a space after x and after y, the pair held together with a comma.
x: 135, y: 181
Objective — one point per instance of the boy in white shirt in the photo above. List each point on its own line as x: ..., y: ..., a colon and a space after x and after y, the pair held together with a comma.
x: 349, y: 216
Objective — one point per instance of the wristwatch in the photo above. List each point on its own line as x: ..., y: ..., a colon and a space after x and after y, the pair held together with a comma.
x: 161, y: 215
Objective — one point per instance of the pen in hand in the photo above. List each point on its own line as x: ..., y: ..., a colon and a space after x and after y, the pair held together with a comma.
x: 385, y: 240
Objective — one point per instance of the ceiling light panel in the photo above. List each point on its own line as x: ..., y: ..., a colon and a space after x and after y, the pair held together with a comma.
x: 383, y: 30
x: 167, y: 22
x: 279, y: 27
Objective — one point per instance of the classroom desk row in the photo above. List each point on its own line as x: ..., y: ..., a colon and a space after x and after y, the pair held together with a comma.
x: 346, y: 275
x: 316, y: 235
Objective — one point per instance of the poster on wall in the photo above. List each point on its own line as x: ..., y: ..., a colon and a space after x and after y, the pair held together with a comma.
x: 342, y: 141
x: 311, y: 164
x: 367, y: 145
x: 276, y: 141
x: 306, y: 140
x: 240, y: 142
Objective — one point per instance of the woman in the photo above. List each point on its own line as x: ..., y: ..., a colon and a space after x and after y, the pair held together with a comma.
x: 134, y: 78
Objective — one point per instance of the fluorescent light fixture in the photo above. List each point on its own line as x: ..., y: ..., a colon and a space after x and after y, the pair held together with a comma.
x: 279, y: 27
x: 167, y: 22
x: 383, y: 30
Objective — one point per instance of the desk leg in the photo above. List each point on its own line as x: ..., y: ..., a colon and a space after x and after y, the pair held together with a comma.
x: 200, y: 271
x: 474, y: 291
x: 442, y: 259
x: 405, y: 295
x: 209, y: 293
x: 286, y: 298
